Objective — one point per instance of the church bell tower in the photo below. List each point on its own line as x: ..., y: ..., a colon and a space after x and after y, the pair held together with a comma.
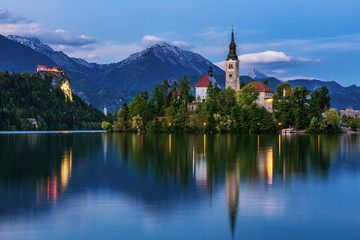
x: 232, y: 66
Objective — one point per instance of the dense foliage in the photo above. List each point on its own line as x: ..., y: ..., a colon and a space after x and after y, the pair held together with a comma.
x: 166, y: 109
x: 23, y: 96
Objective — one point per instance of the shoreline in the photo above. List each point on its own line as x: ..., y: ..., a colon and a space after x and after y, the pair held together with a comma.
x: 55, y: 131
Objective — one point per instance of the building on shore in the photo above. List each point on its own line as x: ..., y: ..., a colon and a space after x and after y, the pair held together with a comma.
x: 265, y: 97
x: 202, y: 85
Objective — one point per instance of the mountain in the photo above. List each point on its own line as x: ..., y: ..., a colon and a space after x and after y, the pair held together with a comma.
x: 15, y: 57
x: 255, y: 74
x: 145, y: 69
x: 110, y: 85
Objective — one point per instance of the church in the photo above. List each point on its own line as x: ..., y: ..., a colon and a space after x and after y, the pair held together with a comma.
x: 232, y: 80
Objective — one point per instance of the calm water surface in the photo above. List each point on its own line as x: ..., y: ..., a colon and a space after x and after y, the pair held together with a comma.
x: 118, y: 186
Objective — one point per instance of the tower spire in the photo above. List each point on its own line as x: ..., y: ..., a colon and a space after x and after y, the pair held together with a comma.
x: 232, y: 47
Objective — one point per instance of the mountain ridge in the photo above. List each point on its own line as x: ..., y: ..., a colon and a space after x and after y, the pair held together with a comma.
x: 143, y: 70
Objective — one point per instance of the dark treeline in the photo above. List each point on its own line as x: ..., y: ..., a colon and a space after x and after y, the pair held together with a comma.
x: 23, y: 96
x: 166, y: 110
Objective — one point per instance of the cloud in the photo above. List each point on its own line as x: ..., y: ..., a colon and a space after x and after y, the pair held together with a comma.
x: 6, y: 17
x: 264, y: 57
x: 270, y: 62
x: 11, y: 24
x: 149, y: 40
x: 299, y: 77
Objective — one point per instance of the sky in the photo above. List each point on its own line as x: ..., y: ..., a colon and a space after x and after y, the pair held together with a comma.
x: 313, y: 39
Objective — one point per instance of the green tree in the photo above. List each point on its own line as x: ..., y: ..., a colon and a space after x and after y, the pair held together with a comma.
x: 140, y: 106
x: 300, y: 106
x: 331, y: 122
x: 280, y: 89
x: 354, y: 125
x: 246, y: 96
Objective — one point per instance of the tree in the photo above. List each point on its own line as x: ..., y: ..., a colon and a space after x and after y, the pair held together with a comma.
x: 140, y: 106
x: 266, y: 82
x: 300, y: 106
x: 319, y: 100
x: 280, y: 89
x: 158, y: 98
x: 354, y: 125
x: 121, y: 124
x: 247, y: 96
x: 331, y: 122
x: 242, y: 84
x: 185, y: 90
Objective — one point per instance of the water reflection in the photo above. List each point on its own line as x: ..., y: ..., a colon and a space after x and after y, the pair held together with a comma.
x: 167, y: 173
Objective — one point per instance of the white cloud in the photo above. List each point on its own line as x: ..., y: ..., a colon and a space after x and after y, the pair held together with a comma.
x: 270, y: 61
x: 264, y: 57
x: 299, y: 77
x: 149, y: 40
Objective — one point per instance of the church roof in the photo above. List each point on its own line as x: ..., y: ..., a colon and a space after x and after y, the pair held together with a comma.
x: 260, y: 87
x: 204, y: 81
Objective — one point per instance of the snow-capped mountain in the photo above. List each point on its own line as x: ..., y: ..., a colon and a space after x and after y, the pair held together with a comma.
x: 256, y: 74
x: 60, y: 58
x: 145, y: 69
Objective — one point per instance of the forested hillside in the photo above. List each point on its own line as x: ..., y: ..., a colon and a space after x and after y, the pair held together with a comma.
x: 23, y: 96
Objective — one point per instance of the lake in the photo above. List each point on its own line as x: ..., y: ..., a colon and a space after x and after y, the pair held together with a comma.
x: 133, y: 186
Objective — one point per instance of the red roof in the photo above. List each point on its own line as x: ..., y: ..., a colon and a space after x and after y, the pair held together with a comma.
x: 203, y: 82
x: 260, y: 87
x: 177, y: 91
x: 41, y: 66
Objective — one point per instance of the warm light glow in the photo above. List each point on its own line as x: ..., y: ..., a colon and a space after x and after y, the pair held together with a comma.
x: 193, y: 101
x: 270, y: 100
x: 169, y: 143
x: 258, y: 124
x: 204, y: 144
x: 279, y: 145
x: 204, y: 123
x: 280, y: 123
x: 66, y: 88
x: 170, y: 124
x: 65, y: 171
x: 269, y: 166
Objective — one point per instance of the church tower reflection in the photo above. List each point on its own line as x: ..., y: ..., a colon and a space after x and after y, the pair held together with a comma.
x: 232, y: 185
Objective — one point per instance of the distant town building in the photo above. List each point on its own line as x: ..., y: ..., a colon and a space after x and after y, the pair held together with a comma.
x: 265, y: 97
x: 105, y: 111
x: 350, y: 113
x: 43, y: 68
x: 202, y: 85
x: 232, y: 78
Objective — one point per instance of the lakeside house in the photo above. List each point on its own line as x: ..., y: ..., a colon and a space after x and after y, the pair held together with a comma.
x: 265, y: 97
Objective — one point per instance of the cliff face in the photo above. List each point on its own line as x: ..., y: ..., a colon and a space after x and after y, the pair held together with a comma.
x: 58, y: 80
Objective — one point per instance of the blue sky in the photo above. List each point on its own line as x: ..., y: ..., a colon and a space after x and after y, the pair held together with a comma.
x: 284, y: 39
